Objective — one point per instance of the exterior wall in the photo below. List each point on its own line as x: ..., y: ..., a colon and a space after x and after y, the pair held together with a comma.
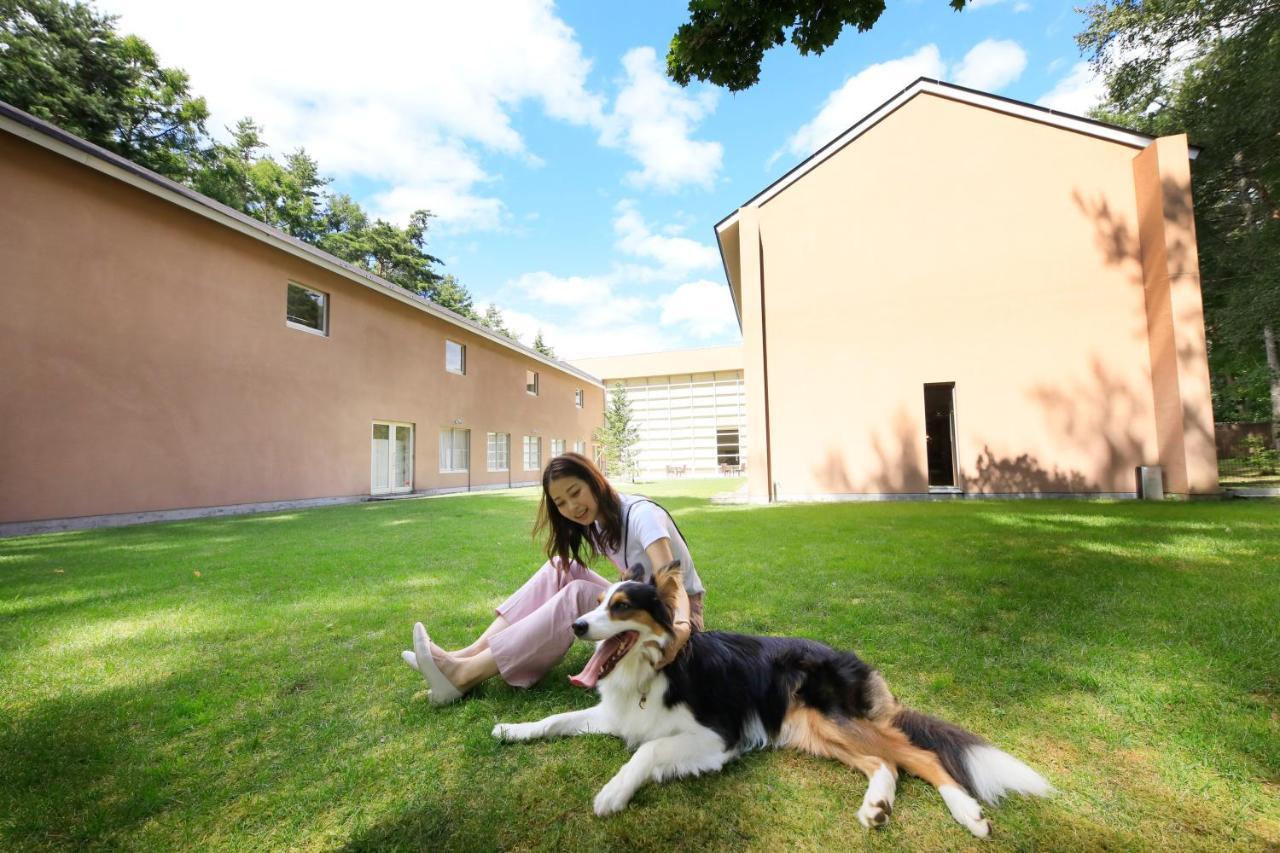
x: 951, y: 243
x: 678, y: 417
x: 1175, y: 318
x: 760, y: 476
x: 680, y: 399
x: 148, y: 365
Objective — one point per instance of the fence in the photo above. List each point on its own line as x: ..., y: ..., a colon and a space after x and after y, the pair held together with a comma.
x: 1246, y: 455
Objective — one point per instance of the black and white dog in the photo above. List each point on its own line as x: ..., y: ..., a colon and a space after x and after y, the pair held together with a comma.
x: 726, y: 694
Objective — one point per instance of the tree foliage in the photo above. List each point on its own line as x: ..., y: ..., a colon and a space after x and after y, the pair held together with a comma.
x: 541, y: 346
x: 66, y: 64
x: 1211, y: 69
x: 492, y: 319
x: 618, y: 437
x: 724, y: 42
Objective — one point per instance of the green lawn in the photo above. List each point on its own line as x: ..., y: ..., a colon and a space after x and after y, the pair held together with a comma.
x: 236, y: 683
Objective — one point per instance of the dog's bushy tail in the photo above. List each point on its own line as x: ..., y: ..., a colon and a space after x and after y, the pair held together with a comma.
x: 985, y: 771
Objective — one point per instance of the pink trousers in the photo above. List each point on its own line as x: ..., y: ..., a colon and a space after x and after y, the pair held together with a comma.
x: 540, y: 615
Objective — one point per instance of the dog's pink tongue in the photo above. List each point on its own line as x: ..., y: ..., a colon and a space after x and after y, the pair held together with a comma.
x: 591, y: 672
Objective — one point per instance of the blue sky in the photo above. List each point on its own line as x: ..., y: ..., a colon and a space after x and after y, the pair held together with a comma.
x: 576, y: 187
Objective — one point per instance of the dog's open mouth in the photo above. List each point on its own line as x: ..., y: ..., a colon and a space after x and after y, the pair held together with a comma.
x: 608, y: 653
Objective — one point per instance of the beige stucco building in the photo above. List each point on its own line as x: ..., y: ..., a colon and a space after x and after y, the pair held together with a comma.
x: 165, y: 356
x: 688, y: 406
x: 964, y: 294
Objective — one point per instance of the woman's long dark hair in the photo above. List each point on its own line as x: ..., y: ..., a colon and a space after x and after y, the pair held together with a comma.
x: 567, y: 539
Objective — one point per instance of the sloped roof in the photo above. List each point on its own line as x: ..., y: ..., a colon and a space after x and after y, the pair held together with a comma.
x: 923, y: 85
x: 55, y: 139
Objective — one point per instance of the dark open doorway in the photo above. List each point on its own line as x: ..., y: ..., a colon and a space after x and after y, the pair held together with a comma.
x: 940, y: 433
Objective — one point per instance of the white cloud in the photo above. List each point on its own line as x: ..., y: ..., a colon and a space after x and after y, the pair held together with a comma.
x: 861, y: 94
x: 702, y: 308
x: 564, y: 291
x: 575, y: 336
x: 392, y: 95
x: 677, y: 255
x: 611, y: 314
x: 990, y: 65
x: 1077, y: 93
x: 653, y: 119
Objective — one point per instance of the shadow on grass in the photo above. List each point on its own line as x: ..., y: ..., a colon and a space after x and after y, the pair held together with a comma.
x: 1080, y: 636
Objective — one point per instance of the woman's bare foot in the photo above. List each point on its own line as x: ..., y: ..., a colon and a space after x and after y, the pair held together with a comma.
x: 465, y: 672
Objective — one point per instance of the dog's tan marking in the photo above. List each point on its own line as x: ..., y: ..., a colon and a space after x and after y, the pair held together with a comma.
x: 634, y: 614
x: 861, y: 744
x: 644, y: 618
x: 810, y: 731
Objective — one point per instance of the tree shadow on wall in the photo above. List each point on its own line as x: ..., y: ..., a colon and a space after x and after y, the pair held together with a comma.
x: 1022, y: 474
x: 1098, y: 417
x: 898, y: 466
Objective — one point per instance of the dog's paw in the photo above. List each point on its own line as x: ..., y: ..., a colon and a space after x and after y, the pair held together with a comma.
x: 875, y: 815
x: 612, y: 798
x: 511, y: 731
x: 966, y: 810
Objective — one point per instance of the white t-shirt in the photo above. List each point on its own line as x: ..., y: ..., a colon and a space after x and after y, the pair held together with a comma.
x: 646, y: 524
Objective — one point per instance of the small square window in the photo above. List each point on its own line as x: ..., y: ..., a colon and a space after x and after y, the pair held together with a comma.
x: 455, y: 357
x: 579, y: 397
x: 307, y: 309
x: 531, y: 382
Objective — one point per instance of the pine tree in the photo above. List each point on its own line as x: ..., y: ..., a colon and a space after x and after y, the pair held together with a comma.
x: 541, y: 346
x: 492, y: 319
x: 618, y: 436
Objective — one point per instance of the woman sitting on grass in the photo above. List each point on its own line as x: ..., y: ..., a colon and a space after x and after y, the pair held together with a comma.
x: 532, y: 632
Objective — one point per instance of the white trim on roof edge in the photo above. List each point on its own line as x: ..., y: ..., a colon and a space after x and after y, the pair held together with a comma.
x: 1043, y: 115
x: 114, y: 166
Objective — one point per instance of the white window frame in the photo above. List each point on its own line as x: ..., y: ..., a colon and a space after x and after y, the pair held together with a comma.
x: 579, y: 398
x: 311, y: 330
x: 498, y: 451
x: 462, y: 357
x: 534, y: 441
x: 492, y: 446
x: 450, y: 451
x: 557, y: 447
x: 580, y: 447
x: 531, y: 388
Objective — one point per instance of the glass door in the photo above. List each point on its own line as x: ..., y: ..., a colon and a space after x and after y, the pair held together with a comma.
x: 391, y: 465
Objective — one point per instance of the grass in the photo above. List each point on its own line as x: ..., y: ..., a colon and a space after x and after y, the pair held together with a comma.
x: 235, y: 683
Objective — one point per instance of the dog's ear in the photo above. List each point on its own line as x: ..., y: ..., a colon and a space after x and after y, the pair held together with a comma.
x: 668, y: 579
x: 635, y: 573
